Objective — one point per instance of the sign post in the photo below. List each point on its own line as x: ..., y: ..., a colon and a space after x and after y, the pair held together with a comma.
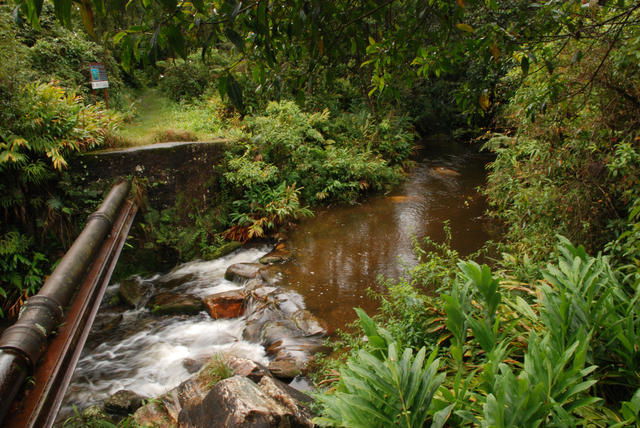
x: 99, y: 79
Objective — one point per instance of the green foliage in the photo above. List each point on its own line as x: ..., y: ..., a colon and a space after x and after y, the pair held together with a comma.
x: 185, y: 79
x: 512, y: 357
x: 190, y: 229
x: 263, y: 209
x: 326, y: 161
x: 216, y: 370
x: 22, y: 271
x: 570, y: 162
x: 382, y: 387
x: 41, y: 126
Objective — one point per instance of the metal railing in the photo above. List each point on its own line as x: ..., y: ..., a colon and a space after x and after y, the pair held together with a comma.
x: 76, y: 288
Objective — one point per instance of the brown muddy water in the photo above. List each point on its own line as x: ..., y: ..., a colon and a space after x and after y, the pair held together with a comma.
x: 342, y: 251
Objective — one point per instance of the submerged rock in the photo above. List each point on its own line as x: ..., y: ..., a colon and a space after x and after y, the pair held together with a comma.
x: 271, y: 275
x: 175, y: 304
x: 123, y: 402
x: 106, y: 322
x: 173, y: 280
x: 228, y: 304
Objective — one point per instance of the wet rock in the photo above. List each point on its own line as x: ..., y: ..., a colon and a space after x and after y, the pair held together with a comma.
x: 96, y: 413
x: 259, y: 315
x: 241, y: 272
x: 130, y: 292
x: 271, y: 275
x: 225, y: 249
x: 301, y: 349
x: 173, y: 280
x: 250, y: 398
x: 153, y: 414
x: 106, y: 322
x: 281, y: 255
x: 236, y: 402
x: 443, y: 170
x: 192, y: 365
x: 274, y: 331
x: 289, y: 303
x: 254, y: 284
x: 228, y: 304
x: 291, y: 399
x: 247, y: 368
x: 262, y: 293
x: 308, y: 323
x: 123, y: 402
x: 175, y: 304
x: 285, y: 369
x: 189, y: 391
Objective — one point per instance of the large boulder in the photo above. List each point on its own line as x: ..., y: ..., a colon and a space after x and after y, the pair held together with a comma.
x: 251, y: 397
x: 175, y: 304
x: 239, y: 402
x: 228, y: 304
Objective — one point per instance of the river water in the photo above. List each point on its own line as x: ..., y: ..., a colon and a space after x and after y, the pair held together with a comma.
x: 342, y: 251
x: 338, y: 254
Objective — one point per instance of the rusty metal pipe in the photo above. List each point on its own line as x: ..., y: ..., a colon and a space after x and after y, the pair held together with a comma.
x: 22, y: 344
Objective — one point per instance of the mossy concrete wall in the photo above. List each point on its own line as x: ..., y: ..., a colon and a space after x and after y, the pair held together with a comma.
x: 187, y: 168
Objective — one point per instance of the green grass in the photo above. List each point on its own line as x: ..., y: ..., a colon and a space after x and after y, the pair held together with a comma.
x: 158, y: 119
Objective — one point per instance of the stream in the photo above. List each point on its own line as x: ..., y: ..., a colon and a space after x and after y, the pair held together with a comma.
x: 337, y: 255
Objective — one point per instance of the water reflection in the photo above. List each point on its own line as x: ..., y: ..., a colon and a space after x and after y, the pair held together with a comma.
x: 341, y: 251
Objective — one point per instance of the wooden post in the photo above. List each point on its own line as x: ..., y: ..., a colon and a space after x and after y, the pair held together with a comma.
x: 106, y: 98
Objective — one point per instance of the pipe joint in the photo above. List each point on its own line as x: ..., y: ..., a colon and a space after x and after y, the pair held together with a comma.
x: 101, y: 215
x: 28, y: 341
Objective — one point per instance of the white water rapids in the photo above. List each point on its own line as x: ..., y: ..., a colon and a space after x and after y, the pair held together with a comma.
x: 147, y: 354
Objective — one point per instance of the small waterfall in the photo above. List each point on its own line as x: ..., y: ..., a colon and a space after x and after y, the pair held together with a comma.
x: 151, y: 354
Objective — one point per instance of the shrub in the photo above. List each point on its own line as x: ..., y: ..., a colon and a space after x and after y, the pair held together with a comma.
x: 48, y: 125
x: 571, y: 163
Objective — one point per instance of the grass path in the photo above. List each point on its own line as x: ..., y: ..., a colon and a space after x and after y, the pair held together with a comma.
x: 159, y: 119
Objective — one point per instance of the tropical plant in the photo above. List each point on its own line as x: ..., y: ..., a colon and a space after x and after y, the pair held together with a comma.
x: 382, y: 387
x: 263, y: 209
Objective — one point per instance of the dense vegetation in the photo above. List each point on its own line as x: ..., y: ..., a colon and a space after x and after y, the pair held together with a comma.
x: 320, y: 98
